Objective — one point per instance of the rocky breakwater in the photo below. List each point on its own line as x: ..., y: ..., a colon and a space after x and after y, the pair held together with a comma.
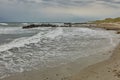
x: 48, y: 25
x: 39, y: 25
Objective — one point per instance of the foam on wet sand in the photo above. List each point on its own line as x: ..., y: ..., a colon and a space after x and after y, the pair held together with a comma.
x: 65, y: 70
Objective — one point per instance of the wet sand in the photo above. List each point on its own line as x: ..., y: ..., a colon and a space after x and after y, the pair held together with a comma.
x: 106, y: 70
x: 63, y: 72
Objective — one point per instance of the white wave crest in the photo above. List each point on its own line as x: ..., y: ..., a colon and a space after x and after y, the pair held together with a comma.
x: 24, y: 23
x: 4, y: 24
x: 20, y: 42
x: 85, y: 33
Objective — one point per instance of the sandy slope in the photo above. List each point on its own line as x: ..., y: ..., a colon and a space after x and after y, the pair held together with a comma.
x: 106, y: 70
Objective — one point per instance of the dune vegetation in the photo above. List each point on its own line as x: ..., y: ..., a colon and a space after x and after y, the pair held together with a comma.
x: 108, y: 20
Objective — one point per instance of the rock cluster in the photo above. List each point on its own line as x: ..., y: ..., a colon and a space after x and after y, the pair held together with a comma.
x: 39, y: 25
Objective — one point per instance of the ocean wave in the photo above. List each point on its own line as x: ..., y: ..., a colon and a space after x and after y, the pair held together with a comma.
x: 82, y: 32
x: 53, y: 47
x: 4, y: 24
x: 20, y: 42
x: 9, y: 30
x: 18, y: 30
x: 24, y: 23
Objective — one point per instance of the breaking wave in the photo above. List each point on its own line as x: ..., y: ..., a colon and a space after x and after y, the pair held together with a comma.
x: 19, y: 30
x: 4, y: 24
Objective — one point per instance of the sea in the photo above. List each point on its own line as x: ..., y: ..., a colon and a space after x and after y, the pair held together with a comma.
x: 29, y: 49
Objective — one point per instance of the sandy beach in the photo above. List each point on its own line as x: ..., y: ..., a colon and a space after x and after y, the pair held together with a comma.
x: 106, y: 70
x: 80, y: 68
x: 102, y: 70
x: 99, y: 66
x: 63, y: 72
x: 59, y: 39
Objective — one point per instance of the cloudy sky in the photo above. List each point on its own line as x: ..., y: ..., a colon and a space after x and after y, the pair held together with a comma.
x: 57, y: 10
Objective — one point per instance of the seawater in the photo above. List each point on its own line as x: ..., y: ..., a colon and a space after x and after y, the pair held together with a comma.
x: 29, y: 49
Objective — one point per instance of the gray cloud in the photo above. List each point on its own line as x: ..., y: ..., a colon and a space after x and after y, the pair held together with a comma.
x: 66, y: 3
x: 19, y: 10
x: 63, y: 2
x: 111, y: 1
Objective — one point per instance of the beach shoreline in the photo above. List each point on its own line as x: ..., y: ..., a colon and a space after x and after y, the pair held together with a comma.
x: 64, y: 72
x: 105, y: 70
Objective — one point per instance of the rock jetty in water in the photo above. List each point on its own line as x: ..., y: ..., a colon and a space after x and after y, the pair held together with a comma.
x: 47, y: 25
x: 56, y: 25
x: 39, y: 25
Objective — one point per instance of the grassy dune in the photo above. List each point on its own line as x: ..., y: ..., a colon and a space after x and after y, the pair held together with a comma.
x: 109, y: 24
x: 108, y: 20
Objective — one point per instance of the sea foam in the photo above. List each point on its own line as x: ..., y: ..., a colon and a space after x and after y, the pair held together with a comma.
x: 20, y: 42
x: 53, y: 47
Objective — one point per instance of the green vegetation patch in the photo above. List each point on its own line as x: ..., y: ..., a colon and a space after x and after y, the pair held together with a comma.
x: 108, y: 20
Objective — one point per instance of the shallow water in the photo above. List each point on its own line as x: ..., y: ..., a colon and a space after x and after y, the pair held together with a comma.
x: 49, y: 47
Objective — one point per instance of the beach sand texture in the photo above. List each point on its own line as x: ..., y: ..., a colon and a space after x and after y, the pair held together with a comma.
x: 106, y: 70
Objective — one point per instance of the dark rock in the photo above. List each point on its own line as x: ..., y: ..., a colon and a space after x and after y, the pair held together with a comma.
x: 39, y: 25
x: 118, y: 32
